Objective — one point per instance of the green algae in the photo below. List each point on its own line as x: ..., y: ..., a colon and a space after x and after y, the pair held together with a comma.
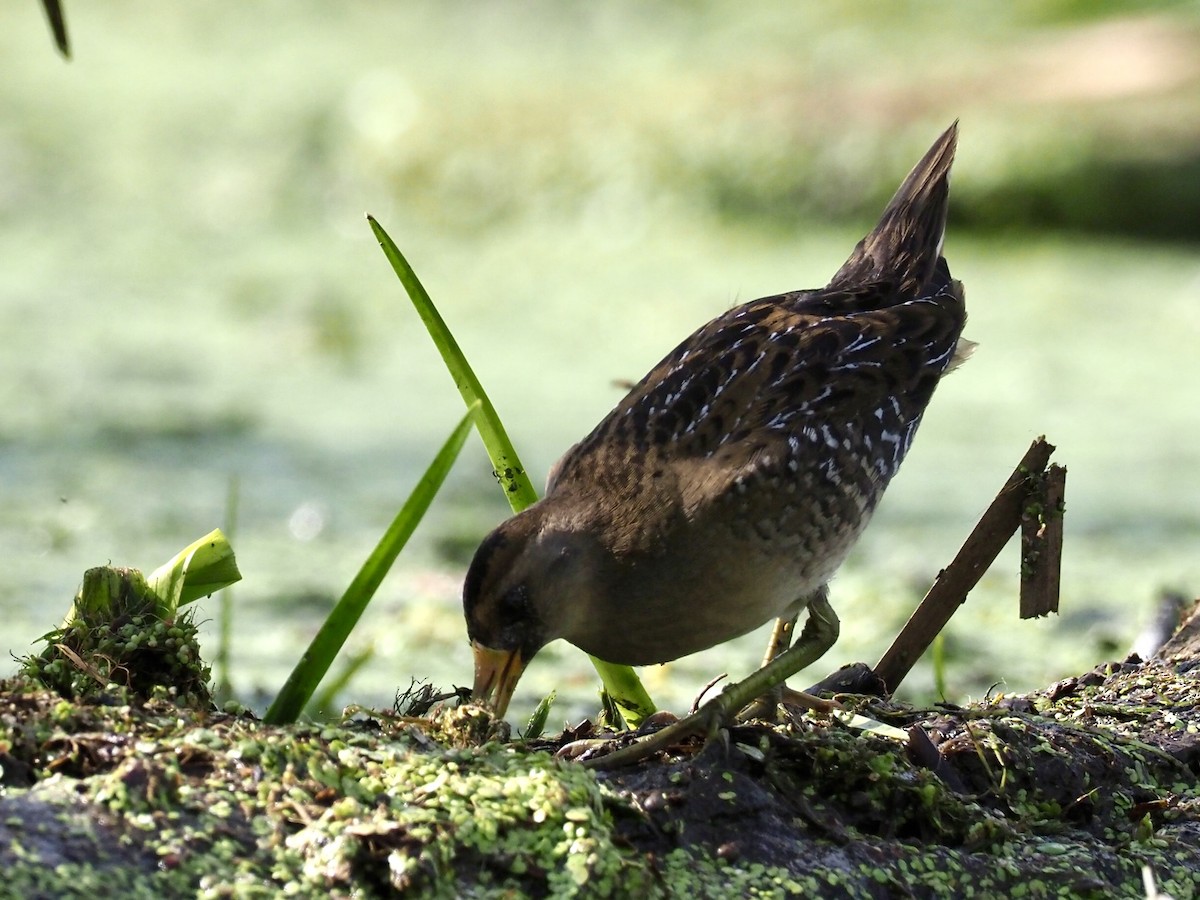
x: 1068, y: 793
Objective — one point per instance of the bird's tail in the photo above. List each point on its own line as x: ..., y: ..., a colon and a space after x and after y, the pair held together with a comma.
x: 906, y: 244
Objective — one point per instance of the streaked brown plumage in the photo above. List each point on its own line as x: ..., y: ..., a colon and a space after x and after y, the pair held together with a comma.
x: 730, y: 483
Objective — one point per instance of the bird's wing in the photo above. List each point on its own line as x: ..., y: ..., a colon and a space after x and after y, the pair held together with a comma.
x: 744, y: 389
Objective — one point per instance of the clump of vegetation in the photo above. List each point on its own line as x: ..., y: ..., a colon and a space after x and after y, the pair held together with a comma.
x: 126, y: 643
x: 126, y: 629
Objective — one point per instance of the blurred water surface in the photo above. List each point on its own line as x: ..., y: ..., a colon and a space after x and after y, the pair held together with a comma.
x: 189, y: 291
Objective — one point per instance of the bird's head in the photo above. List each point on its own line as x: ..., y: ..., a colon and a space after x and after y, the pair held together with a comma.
x: 527, y: 585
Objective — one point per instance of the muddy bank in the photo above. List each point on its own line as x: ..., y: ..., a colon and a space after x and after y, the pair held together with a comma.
x: 1067, y: 792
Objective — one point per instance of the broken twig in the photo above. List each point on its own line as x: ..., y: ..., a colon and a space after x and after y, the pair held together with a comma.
x: 1041, y: 542
x: 998, y: 523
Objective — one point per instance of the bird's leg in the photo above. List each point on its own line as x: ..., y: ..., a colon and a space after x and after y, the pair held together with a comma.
x: 820, y: 633
x: 781, y: 638
x: 767, y: 706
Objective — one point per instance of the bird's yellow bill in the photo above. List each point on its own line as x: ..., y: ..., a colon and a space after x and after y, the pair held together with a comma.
x: 496, y: 676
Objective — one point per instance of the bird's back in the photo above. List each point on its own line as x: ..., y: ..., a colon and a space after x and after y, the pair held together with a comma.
x: 823, y: 389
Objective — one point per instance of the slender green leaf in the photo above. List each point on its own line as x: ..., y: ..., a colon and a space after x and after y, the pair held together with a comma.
x: 222, y: 671
x: 937, y: 652
x: 509, y: 471
x: 333, y: 633
x: 621, y: 682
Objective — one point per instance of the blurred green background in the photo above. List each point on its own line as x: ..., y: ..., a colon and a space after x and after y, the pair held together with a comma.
x: 189, y: 291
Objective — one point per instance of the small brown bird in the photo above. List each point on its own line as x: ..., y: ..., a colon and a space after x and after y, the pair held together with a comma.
x: 730, y: 483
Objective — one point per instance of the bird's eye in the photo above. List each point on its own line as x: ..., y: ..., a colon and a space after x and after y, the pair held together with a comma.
x: 515, y: 604
x: 518, y: 622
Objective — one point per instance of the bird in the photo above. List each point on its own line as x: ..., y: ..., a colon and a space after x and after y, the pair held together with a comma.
x: 727, y: 487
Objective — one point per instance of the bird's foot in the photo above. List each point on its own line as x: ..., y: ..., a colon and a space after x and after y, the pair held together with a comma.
x: 820, y: 632
x: 764, y: 709
x: 767, y: 708
x: 584, y: 747
x: 805, y: 700
x: 707, y: 721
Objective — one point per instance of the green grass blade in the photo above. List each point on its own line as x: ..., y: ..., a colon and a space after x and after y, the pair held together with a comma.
x: 222, y: 672
x: 511, y: 474
x: 621, y: 682
x: 319, y: 656
x: 937, y: 654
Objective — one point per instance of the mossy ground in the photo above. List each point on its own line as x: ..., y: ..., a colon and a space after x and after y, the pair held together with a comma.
x: 1069, y: 792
